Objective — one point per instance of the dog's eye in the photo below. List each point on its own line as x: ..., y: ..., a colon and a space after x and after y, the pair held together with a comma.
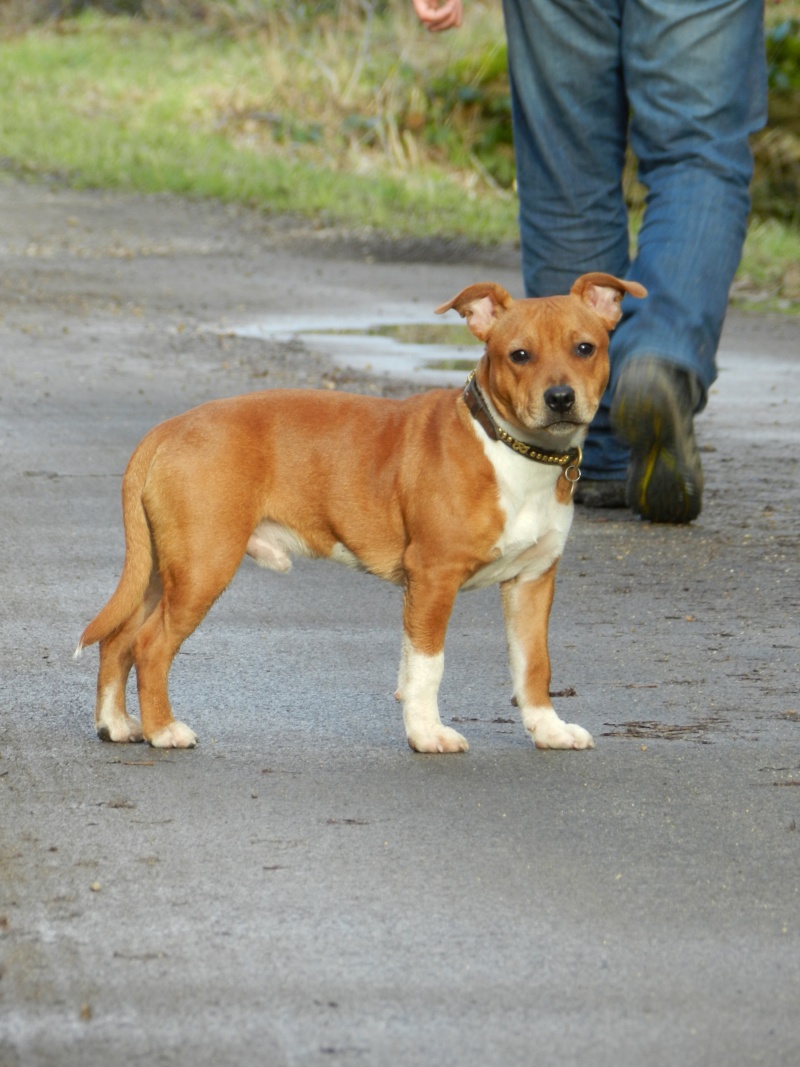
x: 520, y: 356
x: 585, y: 349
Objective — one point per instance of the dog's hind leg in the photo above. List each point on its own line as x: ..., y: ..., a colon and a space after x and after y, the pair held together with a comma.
x: 112, y: 721
x: 189, y: 590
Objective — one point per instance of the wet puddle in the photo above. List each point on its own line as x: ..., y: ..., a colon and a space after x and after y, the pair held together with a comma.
x: 439, y: 353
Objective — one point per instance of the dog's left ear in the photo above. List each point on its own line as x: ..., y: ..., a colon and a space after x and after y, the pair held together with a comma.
x: 603, y: 294
x: 480, y: 305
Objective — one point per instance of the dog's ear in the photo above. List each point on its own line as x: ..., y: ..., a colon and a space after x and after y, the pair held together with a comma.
x: 603, y: 294
x: 480, y: 305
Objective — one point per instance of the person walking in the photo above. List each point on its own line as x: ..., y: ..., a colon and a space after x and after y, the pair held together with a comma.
x: 684, y: 83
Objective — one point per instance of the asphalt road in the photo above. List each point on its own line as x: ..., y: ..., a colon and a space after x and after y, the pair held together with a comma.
x: 301, y: 889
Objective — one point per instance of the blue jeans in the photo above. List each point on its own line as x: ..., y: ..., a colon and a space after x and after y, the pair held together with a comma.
x: 685, y: 81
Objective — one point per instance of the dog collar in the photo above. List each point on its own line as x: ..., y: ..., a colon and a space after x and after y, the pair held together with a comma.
x: 479, y: 409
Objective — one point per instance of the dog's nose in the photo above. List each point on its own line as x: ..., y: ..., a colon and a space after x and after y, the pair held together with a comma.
x: 559, y: 398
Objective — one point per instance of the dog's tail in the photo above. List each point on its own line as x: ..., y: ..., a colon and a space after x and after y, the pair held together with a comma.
x: 139, y: 551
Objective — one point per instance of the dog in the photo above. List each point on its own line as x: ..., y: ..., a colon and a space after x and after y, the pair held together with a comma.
x: 446, y: 490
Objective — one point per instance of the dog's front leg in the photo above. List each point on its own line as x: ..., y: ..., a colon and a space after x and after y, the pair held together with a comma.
x: 426, y: 612
x: 526, y: 607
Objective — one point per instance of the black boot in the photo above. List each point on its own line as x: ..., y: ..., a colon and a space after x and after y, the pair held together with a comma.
x: 653, y: 407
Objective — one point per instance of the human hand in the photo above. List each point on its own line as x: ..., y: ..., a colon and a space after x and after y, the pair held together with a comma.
x: 438, y: 15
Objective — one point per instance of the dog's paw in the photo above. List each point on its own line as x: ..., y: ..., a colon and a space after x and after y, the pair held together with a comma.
x: 176, y: 735
x: 561, y: 735
x: 121, y: 730
x: 437, y: 739
x: 548, y: 731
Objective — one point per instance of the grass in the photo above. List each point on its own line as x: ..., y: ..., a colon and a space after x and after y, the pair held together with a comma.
x: 129, y: 104
x: 351, y: 118
x: 769, y: 275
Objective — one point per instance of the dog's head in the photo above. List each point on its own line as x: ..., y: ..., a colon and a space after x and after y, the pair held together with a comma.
x: 545, y: 365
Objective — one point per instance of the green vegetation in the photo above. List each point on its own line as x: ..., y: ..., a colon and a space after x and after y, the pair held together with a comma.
x: 328, y: 117
x: 341, y: 111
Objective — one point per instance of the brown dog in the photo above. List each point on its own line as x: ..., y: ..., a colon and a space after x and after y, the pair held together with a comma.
x: 452, y: 489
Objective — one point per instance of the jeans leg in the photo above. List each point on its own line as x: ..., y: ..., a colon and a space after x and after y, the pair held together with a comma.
x: 570, y: 130
x: 695, y: 76
x: 570, y: 116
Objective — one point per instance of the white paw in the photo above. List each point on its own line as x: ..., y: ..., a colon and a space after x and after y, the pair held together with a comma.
x: 548, y: 731
x: 561, y: 735
x: 437, y: 739
x: 120, y: 730
x: 176, y: 735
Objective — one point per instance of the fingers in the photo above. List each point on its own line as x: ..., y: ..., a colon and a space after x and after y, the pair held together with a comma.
x: 437, y: 15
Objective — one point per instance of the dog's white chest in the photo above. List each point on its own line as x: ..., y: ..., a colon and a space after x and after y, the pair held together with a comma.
x: 536, y: 526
